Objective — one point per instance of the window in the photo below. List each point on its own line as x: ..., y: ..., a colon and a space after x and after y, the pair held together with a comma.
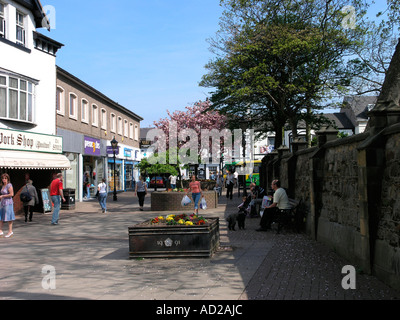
x: 2, y: 21
x: 85, y: 111
x: 120, y: 126
x: 131, y: 132
x: 72, y: 106
x: 60, y: 101
x: 103, y: 119
x: 95, y: 116
x: 136, y: 132
x: 126, y: 128
x: 20, y: 29
x: 17, y: 98
x: 113, y: 120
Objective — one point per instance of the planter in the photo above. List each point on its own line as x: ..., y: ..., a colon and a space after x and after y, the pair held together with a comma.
x: 163, y: 241
x: 171, y: 201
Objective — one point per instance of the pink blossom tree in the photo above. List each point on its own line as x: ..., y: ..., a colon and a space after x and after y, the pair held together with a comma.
x: 190, y: 129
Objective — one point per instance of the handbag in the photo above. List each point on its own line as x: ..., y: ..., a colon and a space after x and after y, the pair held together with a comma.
x: 25, y: 196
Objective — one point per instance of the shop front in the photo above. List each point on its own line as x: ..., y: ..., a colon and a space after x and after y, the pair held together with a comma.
x: 93, y: 166
x: 30, y: 156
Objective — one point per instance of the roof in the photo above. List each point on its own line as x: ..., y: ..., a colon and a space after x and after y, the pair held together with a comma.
x: 61, y: 71
x: 36, y: 7
x: 358, y: 105
x: 340, y: 119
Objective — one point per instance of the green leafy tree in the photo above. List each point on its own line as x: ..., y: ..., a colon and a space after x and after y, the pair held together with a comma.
x: 279, y: 61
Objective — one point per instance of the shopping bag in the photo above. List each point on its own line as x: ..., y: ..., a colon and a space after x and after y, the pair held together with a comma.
x: 185, y: 201
x: 203, y: 204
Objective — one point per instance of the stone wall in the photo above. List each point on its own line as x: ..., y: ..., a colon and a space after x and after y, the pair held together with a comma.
x: 350, y: 189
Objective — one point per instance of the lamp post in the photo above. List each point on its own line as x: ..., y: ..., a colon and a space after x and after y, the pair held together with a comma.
x: 114, y: 145
x: 243, y: 125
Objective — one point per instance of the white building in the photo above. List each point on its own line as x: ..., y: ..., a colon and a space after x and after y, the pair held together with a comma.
x: 28, y: 95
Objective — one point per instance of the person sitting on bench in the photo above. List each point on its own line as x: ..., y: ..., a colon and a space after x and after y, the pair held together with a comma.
x: 280, y: 202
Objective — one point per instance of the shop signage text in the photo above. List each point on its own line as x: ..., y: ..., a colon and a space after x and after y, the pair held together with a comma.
x: 92, y: 146
x: 27, y: 141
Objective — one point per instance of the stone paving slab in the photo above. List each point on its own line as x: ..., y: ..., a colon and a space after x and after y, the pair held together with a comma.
x: 89, y: 251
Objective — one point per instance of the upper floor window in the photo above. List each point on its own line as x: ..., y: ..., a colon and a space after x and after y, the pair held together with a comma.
x: 85, y: 111
x: 2, y: 21
x: 120, y: 126
x: 17, y: 98
x: 104, y: 119
x: 20, y: 29
x: 126, y: 128
x: 136, y: 132
x: 60, y: 101
x: 72, y: 106
x: 95, y: 116
x: 113, y: 123
x: 131, y: 132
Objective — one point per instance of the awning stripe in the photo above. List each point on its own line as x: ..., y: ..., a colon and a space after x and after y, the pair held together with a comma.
x: 33, y: 160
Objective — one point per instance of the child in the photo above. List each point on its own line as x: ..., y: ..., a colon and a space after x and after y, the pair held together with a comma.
x: 244, y: 209
x: 240, y: 216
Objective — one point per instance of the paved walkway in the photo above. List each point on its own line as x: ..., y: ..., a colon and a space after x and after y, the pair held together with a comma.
x: 88, y: 251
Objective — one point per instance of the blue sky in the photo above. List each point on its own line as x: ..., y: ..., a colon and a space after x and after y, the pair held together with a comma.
x: 149, y: 56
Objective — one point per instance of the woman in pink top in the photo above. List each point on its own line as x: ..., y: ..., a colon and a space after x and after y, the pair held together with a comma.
x: 195, y: 188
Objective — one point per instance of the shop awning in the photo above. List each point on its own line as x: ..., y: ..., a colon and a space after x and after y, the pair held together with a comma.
x: 33, y: 160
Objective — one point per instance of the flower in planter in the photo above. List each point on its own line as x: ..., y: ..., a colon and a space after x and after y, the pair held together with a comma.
x: 189, y: 223
x: 181, y: 221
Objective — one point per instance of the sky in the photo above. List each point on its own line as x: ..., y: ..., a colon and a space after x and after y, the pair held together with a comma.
x: 148, y: 56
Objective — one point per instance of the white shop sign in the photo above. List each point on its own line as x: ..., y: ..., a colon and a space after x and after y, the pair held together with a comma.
x: 27, y: 141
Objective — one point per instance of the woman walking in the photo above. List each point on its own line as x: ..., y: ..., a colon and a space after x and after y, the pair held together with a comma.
x: 197, y: 193
x: 141, y: 191
x: 102, y: 188
x: 7, y: 205
x: 28, y: 206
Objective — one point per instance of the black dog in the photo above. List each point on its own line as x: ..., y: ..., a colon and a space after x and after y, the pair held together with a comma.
x: 241, y: 218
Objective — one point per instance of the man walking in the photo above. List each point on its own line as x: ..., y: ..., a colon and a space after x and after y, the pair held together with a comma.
x: 56, y: 194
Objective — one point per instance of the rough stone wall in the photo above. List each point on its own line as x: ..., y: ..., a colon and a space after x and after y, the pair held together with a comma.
x: 332, y: 183
x: 340, y: 186
x: 386, y: 262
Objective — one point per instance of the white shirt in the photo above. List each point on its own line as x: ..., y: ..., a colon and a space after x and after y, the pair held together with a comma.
x: 103, y: 187
x: 281, y: 199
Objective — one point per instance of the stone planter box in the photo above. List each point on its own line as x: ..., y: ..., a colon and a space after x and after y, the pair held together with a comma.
x: 163, y: 241
x: 171, y: 201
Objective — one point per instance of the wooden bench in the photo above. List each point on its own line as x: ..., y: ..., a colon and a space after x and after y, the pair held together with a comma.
x: 292, y: 217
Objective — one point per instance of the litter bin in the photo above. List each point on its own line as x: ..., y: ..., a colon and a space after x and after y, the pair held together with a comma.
x: 69, y: 204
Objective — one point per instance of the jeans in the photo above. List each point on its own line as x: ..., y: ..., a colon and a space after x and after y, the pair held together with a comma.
x: 103, y: 200
x: 57, y: 205
x: 196, y: 198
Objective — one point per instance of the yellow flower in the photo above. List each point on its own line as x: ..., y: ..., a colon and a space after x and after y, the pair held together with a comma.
x: 189, y: 223
x: 160, y: 218
x: 169, y: 218
x: 181, y: 221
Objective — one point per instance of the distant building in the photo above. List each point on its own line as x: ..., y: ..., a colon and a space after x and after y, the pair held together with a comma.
x: 356, y: 108
x: 88, y: 121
